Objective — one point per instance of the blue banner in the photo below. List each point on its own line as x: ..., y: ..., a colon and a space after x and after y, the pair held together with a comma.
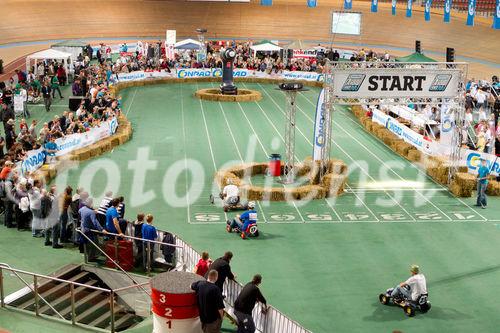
x: 347, y: 4
x: 394, y: 2
x: 427, y: 12
x: 311, y: 3
x: 447, y: 10
x: 408, y: 8
x: 496, y: 16
x: 471, y: 12
x: 266, y: 2
x: 374, y: 6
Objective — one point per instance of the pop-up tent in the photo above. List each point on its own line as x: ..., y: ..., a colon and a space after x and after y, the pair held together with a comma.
x: 51, y: 54
x: 188, y: 44
x: 265, y: 46
x: 75, y: 47
x: 415, y: 57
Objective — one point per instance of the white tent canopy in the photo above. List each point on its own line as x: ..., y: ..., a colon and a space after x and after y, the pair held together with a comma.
x: 188, y: 44
x: 51, y: 54
x: 265, y: 46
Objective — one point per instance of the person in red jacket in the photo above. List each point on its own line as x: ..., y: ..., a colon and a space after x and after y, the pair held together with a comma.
x: 201, y: 267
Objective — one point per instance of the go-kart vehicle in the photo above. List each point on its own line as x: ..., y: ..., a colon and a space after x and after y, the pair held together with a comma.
x: 409, y: 307
x: 251, y: 231
x: 230, y: 206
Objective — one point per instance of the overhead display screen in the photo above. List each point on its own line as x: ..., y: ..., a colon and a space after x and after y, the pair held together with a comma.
x: 346, y: 23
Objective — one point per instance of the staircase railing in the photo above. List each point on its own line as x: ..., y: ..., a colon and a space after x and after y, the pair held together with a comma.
x: 72, y: 285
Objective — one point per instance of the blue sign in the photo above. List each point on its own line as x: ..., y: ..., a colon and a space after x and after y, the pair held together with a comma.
x: 374, y: 6
x: 427, y: 12
x: 471, y: 12
x: 447, y: 10
x: 347, y: 4
x: 266, y: 2
x: 408, y: 8
x: 394, y: 2
x: 311, y: 3
x: 496, y: 17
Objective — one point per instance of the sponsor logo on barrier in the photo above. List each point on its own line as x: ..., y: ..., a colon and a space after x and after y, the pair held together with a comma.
x: 187, y: 73
x: 307, y: 76
x: 447, y: 124
x: 472, y: 6
x: 353, y: 82
x: 474, y: 161
x: 447, y: 6
x: 33, y: 161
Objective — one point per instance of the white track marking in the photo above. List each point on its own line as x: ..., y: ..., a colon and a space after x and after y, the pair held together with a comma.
x: 131, y: 102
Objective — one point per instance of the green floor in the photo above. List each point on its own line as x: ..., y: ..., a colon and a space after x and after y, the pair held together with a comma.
x: 323, y: 263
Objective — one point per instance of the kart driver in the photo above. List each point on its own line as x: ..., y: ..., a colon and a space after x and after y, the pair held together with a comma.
x: 244, y: 220
x: 230, y: 194
x: 417, y: 284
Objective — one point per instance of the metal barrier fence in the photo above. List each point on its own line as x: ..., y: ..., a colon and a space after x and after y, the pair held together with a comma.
x: 40, y: 300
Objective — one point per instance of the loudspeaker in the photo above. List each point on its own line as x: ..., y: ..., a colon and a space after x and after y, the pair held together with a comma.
x: 450, y: 54
x: 418, y: 48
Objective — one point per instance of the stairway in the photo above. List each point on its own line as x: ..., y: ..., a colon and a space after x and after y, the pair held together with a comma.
x: 92, y: 307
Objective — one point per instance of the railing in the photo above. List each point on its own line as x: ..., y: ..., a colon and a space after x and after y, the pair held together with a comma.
x: 72, y: 285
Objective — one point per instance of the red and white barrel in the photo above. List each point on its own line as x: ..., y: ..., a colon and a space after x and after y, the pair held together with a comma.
x: 174, y: 305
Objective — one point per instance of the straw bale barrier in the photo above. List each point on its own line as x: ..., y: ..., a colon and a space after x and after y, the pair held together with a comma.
x: 493, y: 188
x: 244, y: 95
x: 332, y: 185
x: 414, y: 155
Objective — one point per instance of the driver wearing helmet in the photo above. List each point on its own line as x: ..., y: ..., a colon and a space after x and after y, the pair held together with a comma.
x: 416, y: 283
x: 230, y: 194
x: 247, y: 218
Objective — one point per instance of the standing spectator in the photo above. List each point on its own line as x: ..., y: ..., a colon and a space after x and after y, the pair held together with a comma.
x: 103, y: 207
x: 138, y: 234
x: 47, y: 97
x: 23, y: 214
x: 10, y: 134
x: 50, y: 215
x: 482, y: 184
x: 201, y: 267
x: 210, y: 303
x: 148, y: 232
x: 221, y: 265
x: 61, y: 75
x: 7, y: 196
x: 113, y: 223
x: 89, y: 222
x: 35, y: 199
x: 51, y: 150
x: 54, y: 84
x: 121, y: 207
x: 244, y: 304
x: 64, y: 203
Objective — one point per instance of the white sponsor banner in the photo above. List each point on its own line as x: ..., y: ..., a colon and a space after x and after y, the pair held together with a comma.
x: 34, y: 159
x: 132, y: 76
x: 305, y: 53
x: 71, y: 142
x: 403, y: 132
x: 306, y: 76
x: 319, y: 126
x: 395, y: 83
x: 472, y: 159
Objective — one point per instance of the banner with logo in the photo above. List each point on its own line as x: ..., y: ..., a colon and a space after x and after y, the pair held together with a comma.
x: 447, y: 10
x: 447, y: 126
x: 311, y: 3
x: 132, y: 76
x: 472, y: 159
x: 347, y: 4
x: 427, y: 11
x: 471, y: 12
x: 319, y: 126
x: 266, y: 2
x: 305, y: 53
x: 374, y: 6
x: 34, y: 160
x: 409, y: 8
x: 393, y: 83
x: 306, y: 76
x: 496, y: 16
x: 394, y: 2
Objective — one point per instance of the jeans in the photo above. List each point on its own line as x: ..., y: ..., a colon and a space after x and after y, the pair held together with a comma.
x: 63, y: 223
x: 245, y: 322
x: 236, y: 224
x: 400, y: 292
x: 481, y: 194
x: 9, y: 208
x: 47, y: 101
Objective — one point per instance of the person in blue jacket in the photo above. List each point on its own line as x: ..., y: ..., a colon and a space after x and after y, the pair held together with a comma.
x: 247, y: 218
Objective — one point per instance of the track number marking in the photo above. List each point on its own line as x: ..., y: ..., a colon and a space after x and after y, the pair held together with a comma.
x: 319, y: 217
x: 207, y: 217
x: 282, y: 217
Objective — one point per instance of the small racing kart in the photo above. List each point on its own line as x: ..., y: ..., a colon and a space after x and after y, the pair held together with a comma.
x: 252, y: 230
x: 230, y: 206
x: 422, y: 304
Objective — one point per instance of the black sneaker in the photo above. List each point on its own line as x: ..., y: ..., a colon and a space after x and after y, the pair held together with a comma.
x: 48, y: 243
x: 57, y: 246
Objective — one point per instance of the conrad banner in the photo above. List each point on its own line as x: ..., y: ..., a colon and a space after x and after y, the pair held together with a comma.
x: 396, y: 83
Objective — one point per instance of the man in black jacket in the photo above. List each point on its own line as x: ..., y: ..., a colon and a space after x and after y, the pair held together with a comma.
x: 210, y: 303
x: 223, y: 269
x: 244, y: 304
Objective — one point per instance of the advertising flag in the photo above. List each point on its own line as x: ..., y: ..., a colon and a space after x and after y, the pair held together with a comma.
x: 311, y: 3
x: 266, y: 2
x: 408, y: 8
x: 427, y: 12
x: 374, y: 6
x: 347, y: 4
x: 471, y: 12
x: 447, y: 10
x: 496, y: 17
x: 319, y: 126
x: 394, y: 2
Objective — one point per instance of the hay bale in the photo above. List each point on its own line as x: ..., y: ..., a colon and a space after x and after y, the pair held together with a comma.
x: 414, y: 155
x: 83, y: 154
x: 334, y: 184
x: 308, y: 192
x: 493, y: 188
x: 255, y: 193
x: 259, y: 168
x: 115, y: 141
x: 458, y: 191
x: 337, y: 166
x: 403, y: 148
x: 465, y: 180
x: 222, y: 178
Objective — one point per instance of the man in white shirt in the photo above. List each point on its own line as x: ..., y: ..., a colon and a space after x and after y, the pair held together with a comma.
x: 230, y: 193
x: 417, y: 284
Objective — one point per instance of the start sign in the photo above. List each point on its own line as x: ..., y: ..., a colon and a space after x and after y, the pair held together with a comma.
x: 395, y: 83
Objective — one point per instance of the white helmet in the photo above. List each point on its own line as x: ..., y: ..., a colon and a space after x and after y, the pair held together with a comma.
x: 251, y: 204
